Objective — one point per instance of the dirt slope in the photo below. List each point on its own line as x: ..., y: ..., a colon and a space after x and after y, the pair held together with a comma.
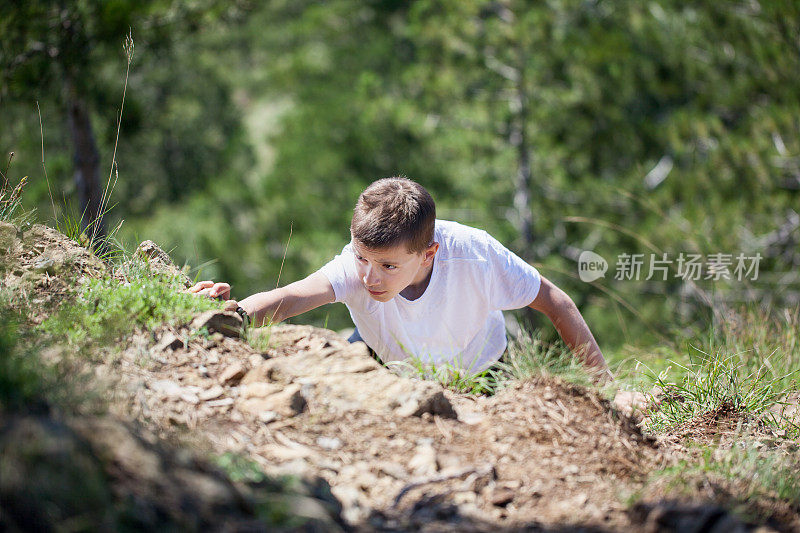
x: 399, y: 454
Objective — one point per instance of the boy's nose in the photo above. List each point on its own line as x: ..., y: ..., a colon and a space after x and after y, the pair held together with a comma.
x: 370, y: 279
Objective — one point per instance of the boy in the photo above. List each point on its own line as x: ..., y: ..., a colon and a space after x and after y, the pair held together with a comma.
x: 421, y: 287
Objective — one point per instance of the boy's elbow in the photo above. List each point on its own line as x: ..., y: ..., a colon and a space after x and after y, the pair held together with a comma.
x: 552, y: 301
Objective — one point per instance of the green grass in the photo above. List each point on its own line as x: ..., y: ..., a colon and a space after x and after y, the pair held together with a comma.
x: 527, y: 357
x: 35, y: 376
x: 751, y: 480
x: 451, y: 376
x: 749, y: 364
x: 23, y: 380
x: 106, y: 310
x: 11, y: 200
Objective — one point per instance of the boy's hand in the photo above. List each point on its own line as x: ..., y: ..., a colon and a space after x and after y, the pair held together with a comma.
x: 220, y: 291
x: 630, y: 401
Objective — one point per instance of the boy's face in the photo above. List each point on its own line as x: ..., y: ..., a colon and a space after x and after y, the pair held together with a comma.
x: 386, y: 272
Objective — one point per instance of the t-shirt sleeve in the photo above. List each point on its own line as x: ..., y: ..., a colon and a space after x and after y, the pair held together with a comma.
x: 512, y: 283
x: 342, y: 274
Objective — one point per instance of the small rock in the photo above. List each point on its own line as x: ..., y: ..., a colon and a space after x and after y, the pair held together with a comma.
x: 191, y: 398
x: 267, y: 416
x: 470, y: 418
x: 394, y: 470
x: 425, y: 461
x: 226, y: 322
x: 501, y: 496
x: 8, y: 236
x: 211, y: 394
x: 169, y: 341
x: 329, y: 443
x: 45, y: 264
x: 259, y: 390
x: 220, y: 403
x: 288, y: 402
x: 167, y: 388
x: 232, y: 374
x: 435, y: 404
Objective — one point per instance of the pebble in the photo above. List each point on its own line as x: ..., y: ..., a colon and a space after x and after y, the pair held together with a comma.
x: 329, y: 443
x: 211, y: 394
x: 267, y: 416
x: 234, y: 372
x: 191, y: 398
x: 220, y: 403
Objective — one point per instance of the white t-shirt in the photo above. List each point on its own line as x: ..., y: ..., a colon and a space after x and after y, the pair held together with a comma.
x: 458, y: 319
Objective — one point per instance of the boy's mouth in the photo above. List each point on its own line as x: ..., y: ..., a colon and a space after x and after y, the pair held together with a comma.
x: 376, y: 293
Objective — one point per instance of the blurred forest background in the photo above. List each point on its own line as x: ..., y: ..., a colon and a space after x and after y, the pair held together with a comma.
x: 620, y: 127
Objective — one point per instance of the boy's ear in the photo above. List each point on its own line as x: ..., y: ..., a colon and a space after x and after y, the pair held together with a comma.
x: 430, y: 252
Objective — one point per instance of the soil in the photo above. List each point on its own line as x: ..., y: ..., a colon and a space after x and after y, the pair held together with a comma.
x: 399, y: 454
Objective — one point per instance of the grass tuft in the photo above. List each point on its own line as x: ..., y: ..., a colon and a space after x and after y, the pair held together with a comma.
x: 529, y: 357
x: 451, y: 376
x: 106, y: 310
x: 11, y: 200
x: 748, y: 366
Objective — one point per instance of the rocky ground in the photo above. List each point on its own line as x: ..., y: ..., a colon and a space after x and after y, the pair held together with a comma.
x: 398, y: 454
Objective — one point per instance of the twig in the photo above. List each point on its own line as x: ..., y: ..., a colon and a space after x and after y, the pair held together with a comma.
x: 41, y: 134
x: 128, y: 47
x: 481, y: 471
x: 285, y: 251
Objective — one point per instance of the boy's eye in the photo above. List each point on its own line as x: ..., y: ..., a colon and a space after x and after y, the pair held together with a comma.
x: 389, y: 267
x: 360, y: 258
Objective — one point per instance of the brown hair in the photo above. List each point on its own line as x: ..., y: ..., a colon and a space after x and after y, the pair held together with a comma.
x: 393, y: 211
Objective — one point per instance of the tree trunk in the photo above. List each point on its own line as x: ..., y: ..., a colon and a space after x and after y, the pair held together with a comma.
x: 87, y: 162
x: 519, y: 139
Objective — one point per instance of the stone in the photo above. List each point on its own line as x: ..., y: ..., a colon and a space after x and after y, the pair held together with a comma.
x: 224, y: 402
x: 501, y: 496
x: 169, y: 341
x: 432, y: 402
x: 211, y: 394
x: 267, y: 416
x: 166, y: 388
x: 259, y: 390
x: 232, y: 374
x: 159, y: 261
x: 424, y: 462
x: 190, y: 397
x: 329, y: 443
x: 8, y: 236
x: 394, y: 470
x: 288, y: 402
x: 216, y: 321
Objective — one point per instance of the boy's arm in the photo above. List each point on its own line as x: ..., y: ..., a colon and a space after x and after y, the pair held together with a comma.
x: 296, y: 298
x: 569, y: 323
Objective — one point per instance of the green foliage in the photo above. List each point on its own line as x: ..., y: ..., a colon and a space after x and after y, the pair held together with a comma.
x: 247, y: 118
x: 106, y: 309
x: 239, y: 468
x: 23, y: 380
